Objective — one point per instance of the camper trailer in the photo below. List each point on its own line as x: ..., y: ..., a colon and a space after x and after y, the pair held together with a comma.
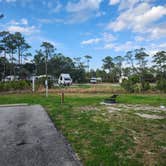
x: 65, y: 79
x: 11, y: 78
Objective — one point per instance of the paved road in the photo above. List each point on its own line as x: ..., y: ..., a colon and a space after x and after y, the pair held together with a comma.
x: 29, y: 138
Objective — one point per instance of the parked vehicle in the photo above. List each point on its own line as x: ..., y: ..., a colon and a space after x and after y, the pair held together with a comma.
x: 65, y: 79
x: 93, y: 80
x: 11, y: 78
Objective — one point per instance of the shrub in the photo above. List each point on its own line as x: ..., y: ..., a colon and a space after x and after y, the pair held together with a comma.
x: 14, y: 85
x: 161, y: 85
x: 137, y: 88
x: 134, y: 79
x: 145, y: 87
x: 41, y: 81
x: 1, y: 86
x: 128, y: 85
x: 131, y: 85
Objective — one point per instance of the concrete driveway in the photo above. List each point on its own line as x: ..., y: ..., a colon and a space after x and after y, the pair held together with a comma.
x: 29, y: 138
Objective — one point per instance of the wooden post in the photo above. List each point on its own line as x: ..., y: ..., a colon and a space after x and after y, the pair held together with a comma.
x: 62, y: 97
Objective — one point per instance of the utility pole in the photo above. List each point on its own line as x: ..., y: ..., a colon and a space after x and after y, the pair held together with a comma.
x: 46, y: 81
x: 48, y: 50
x: 33, y: 83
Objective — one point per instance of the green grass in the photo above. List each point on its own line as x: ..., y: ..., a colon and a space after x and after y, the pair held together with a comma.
x: 103, y: 138
x: 143, y: 99
x: 84, y: 86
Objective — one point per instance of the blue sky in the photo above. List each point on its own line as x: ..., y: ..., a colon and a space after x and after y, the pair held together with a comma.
x: 95, y: 27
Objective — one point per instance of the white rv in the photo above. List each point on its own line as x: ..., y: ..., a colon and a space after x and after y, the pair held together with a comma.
x: 65, y: 79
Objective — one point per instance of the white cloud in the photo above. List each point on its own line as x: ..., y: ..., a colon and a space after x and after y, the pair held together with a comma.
x: 83, y: 10
x: 157, y: 32
x: 23, y: 21
x: 129, y: 45
x: 58, y: 7
x: 105, y: 38
x: 139, y: 38
x: 151, y: 49
x: 109, y: 46
x: 54, y: 6
x: 25, y: 30
x: 108, y: 37
x: 83, y: 5
x: 127, y: 18
x: 155, y: 47
x: 51, y: 21
x: 114, y: 2
x: 124, y: 47
x: 20, y: 26
x: 100, y: 13
x: 152, y: 15
x: 125, y: 4
x: 79, y: 17
x: 91, y: 41
x: 39, y: 39
x: 140, y: 19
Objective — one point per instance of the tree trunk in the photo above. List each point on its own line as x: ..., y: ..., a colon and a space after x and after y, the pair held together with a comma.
x: 19, y: 56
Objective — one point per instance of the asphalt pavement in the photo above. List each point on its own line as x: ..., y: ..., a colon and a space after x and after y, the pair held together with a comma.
x: 29, y: 138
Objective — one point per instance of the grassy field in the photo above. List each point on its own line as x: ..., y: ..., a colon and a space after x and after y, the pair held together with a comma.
x: 107, y: 135
x: 88, y: 88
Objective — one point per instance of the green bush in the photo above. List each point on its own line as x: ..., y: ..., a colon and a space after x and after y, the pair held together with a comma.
x: 41, y: 81
x: 137, y: 88
x: 1, y: 86
x: 128, y: 85
x: 134, y: 78
x: 161, y: 85
x: 14, y: 85
x: 145, y: 87
x: 131, y: 85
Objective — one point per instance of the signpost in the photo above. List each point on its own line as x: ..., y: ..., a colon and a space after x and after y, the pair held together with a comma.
x: 33, y: 84
x: 46, y: 84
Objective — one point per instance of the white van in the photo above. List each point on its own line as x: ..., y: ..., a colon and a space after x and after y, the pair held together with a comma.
x: 95, y: 80
x: 65, y: 79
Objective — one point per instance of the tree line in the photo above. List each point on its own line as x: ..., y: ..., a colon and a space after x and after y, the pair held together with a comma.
x: 137, y: 65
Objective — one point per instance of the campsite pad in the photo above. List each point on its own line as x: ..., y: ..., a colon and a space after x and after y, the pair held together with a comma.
x: 29, y: 138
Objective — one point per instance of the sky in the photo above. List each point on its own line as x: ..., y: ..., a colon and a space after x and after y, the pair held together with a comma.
x: 98, y: 28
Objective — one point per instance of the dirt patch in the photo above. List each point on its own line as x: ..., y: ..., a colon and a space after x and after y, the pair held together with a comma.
x: 135, y: 107
x: 148, y: 116
x: 113, y: 109
x: 87, y: 108
x: 138, y: 107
